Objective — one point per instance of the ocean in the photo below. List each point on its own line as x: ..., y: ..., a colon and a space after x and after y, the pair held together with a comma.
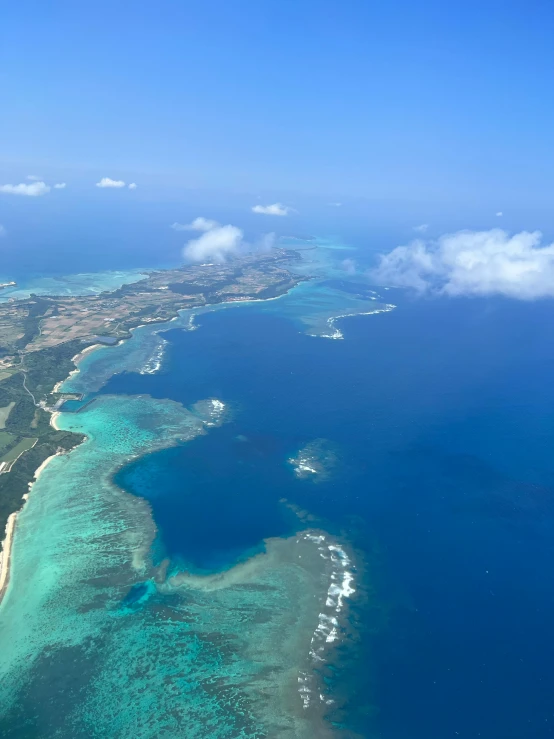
x: 441, y: 415
x: 414, y: 448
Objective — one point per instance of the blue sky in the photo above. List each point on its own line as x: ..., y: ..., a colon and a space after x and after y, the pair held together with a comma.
x: 407, y: 113
x: 429, y: 101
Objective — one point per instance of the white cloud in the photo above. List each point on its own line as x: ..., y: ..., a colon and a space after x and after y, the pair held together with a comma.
x: 218, y: 242
x: 133, y: 186
x: 267, y: 242
x: 215, y: 244
x: 335, y: 205
x: 3, y: 231
x: 349, y: 266
x: 473, y: 263
x: 60, y: 186
x: 422, y: 228
x: 34, y: 177
x: 499, y: 213
x: 33, y: 190
x: 199, y: 224
x: 277, y: 209
x: 108, y: 182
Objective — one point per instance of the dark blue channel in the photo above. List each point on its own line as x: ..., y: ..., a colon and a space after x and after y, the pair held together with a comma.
x: 442, y: 416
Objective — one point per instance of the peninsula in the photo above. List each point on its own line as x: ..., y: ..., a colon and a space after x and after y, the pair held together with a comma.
x: 40, y: 337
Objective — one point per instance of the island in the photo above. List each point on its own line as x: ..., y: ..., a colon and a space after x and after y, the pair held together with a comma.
x: 41, y: 337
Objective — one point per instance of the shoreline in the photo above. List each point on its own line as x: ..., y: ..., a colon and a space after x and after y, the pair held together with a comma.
x: 5, y: 554
x: 325, y: 633
x: 76, y: 359
x: 7, y: 542
x: 82, y: 354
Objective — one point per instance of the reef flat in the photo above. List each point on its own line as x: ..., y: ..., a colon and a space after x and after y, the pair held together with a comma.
x: 41, y: 336
x: 45, y: 321
x: 140, y: 650
x: 100, y: 635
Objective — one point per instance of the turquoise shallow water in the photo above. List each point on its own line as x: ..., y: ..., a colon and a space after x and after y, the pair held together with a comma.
x: 192, y: 600
x: 89, y: 283
x: 101, y: 636
x: 135, y: 653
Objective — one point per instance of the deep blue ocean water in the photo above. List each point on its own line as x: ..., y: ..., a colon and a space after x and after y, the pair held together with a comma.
x: 441, y: 414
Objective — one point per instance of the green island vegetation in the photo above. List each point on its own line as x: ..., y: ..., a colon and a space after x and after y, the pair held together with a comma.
x: 40, y: 337
x: 4, y: 413
x: 27, y: 438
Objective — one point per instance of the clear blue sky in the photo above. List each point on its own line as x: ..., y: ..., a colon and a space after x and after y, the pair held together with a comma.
x: 447, y: 101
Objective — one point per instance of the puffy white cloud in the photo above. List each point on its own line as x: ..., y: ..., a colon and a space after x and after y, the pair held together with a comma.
x: 199, y: 224
x: 214, y: 245
x: 218, y: 242
x: 276, y: 209
x: 33, y: 190
x: 133, y: 186
x: 421, y: 228
x: 108, y: 182
x: 473, y: 263
x: 499, y: 213
x: 60, y: 186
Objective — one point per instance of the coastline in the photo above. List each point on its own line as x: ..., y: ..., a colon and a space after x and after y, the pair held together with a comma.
x: 76, y: 359
x: 5, y: 555
x: 325, y: 633
x: 7, y: 542
x: 87, y: 350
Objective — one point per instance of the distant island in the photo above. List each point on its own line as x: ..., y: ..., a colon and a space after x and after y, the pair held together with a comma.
x: 41, y: 338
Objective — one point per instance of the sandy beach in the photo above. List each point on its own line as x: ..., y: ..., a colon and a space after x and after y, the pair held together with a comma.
x: 5, y: 554
x: 77, y: 358
x: 40, y: 470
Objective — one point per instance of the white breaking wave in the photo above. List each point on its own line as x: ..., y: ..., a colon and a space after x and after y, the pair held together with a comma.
x: 336, y: 333
x: 212, y: 412
x: 315, y: 461
x: 337, y: 593
x: 328, y: 630
x: 318, y: 538
x: 190, y: 324
x: 215, y: 411
x: 303, y: 467
x: 154, y: 363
